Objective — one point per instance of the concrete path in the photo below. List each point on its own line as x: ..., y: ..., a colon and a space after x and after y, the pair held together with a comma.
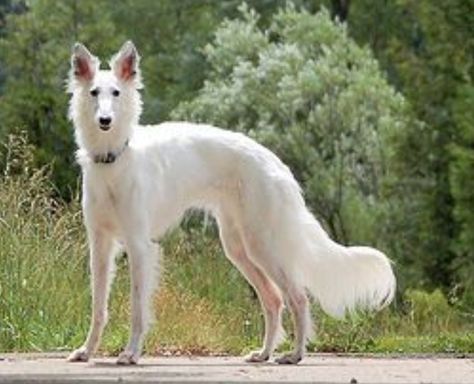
x: 313, y: 369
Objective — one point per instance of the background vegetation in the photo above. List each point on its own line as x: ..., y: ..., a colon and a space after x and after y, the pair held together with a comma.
x: 370, y: 103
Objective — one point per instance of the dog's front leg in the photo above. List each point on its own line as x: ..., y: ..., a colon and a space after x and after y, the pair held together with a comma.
x: 143, y: 262
x: 102, y: 250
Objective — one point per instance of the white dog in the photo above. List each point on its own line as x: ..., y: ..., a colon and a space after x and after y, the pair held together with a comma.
x: 139, y: 181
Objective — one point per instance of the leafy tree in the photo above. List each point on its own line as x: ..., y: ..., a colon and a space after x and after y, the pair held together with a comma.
x: 462, y: 186
x: 306, y: 90
x: 7, y: 7
x: 35, y: 51
x: 426, y: 48
x: 170, y: 35
x: 433, y: 63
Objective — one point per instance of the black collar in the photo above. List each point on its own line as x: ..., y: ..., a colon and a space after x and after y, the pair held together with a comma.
x: 109, y: 157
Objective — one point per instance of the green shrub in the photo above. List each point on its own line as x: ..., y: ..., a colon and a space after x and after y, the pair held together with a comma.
x: 43, y: 290
x: 306, y: 90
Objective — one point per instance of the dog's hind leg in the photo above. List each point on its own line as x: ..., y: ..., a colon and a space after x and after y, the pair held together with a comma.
x: 268, y: 294
x: 102, y: 251
x: 299, y: 307
x: 294, y: 294
x: 143, y: 272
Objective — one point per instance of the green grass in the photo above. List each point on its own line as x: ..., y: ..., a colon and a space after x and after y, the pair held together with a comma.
x: 203, y: 306
x: 42, y: 275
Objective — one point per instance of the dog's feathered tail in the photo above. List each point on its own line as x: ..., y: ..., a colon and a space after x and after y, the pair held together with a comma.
x: 342, y: 279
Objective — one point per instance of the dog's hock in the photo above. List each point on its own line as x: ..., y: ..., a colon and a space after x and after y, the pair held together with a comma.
x: 125, y: 62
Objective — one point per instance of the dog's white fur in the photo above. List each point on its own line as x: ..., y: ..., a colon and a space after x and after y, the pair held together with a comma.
x: 161, y: 171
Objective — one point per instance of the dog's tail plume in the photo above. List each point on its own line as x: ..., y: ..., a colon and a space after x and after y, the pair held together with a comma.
x: 343, y: 279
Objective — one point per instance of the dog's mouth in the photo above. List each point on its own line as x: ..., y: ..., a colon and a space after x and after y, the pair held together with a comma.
x: 105, y: 127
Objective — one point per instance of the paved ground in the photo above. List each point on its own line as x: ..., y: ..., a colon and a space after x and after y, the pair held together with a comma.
x: 313, y: 369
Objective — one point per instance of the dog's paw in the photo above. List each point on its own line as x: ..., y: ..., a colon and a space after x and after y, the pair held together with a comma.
x: 79, y: 355
x: 128, y: 358
x: 257, y: 357
x: 292, y: 358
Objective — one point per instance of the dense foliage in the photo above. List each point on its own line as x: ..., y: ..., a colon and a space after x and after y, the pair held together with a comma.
x: 374, y: 115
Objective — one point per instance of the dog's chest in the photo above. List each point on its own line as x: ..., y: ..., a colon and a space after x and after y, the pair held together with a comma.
x: 107, y: 195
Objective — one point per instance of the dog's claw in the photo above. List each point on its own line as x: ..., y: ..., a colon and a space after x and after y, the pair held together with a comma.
x: 127, y: 358
x: 291, y: 358
x: 79, y: 355
x: 257, y: 357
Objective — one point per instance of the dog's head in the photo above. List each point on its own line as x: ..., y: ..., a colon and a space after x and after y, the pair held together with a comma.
x: 107, y: 97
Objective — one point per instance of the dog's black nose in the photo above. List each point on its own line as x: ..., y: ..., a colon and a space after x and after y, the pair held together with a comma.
x: 105, y: 121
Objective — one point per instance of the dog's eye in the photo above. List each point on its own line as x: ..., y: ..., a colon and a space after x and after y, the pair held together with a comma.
x: 115, y: 92
x: 94, y: 92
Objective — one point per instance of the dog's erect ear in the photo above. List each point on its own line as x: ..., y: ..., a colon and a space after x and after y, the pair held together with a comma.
x: 83, y: 64
x: 125, y: 64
